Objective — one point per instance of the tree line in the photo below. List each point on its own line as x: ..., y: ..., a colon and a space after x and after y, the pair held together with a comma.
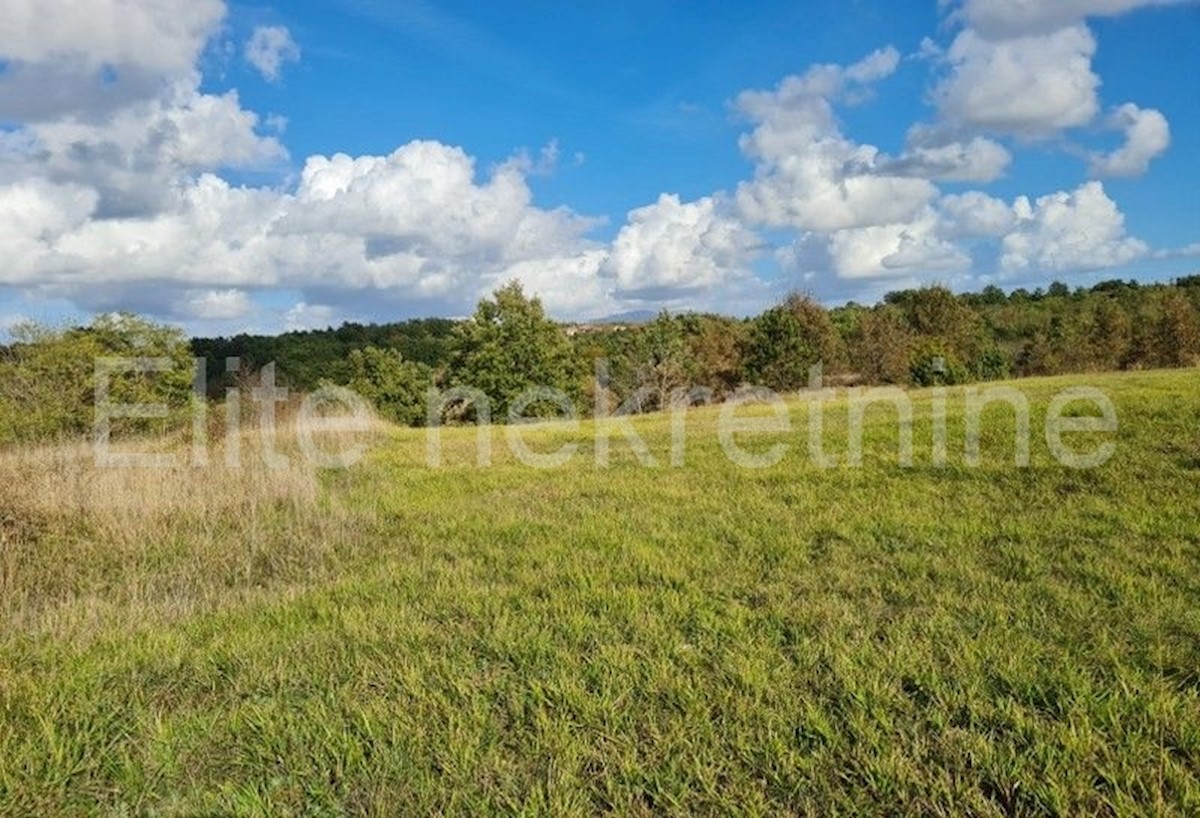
x: 916, y: 337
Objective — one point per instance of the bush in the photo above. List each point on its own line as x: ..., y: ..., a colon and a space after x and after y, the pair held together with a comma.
x: 395, y: 387
x: 786, y: 340
x: 882, y: 346
x: 990, y: 365
x: 48, y: 378
x: 934, y: 364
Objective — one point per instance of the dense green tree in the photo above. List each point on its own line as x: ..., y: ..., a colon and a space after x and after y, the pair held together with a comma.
x: 508, y: 347
x: 395, y: 387
x: 714, y: 352
x: 48, y: 378
x: 660, y: 360
x: 304, y: 359
x: 786, y: 340
x: 1057, y: 289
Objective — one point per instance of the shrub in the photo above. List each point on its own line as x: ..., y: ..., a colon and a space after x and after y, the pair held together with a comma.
x: 48, y: 377
x: 934, y: 364
x: 786, y: 340
x: 395, y: 387
x: 881, y: 347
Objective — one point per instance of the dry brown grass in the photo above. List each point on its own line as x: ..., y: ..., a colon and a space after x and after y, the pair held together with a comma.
x: 84, y: 546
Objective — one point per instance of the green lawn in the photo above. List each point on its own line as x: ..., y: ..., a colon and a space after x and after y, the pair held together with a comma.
x: 703, y: 639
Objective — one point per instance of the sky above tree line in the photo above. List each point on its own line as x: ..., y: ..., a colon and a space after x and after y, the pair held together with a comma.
x: 240, y: 167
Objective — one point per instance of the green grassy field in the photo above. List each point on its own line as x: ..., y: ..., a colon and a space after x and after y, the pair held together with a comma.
x: 703, y: 639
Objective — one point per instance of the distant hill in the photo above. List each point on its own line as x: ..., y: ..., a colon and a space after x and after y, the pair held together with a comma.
x: 631, y: 317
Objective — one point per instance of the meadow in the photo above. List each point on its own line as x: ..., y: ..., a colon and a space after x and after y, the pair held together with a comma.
x: 630, y: 639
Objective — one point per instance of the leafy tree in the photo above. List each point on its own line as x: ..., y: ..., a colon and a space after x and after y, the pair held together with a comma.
x: 714, y: 351
x: 509, y: 346
x: 1039, y: 356
x: 397, y: 388
x: 48, y: 377
x: 993, y: 295
x: 934, y: 363
x: 786, y: 340
x: 991, y: 364
x: 1178, y: 332
x: 1109, y: 336
x: 660, y: 359
x: 1057, y: 289
x: 882, y: 346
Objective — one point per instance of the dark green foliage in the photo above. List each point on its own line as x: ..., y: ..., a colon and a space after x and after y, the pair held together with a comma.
x: 990, y: 365
x: 1058, y: 290
x: 305, y: 359
x: 786, y: 340
x: 508, y: 347
x: 397, y: 388
x: 48, y: 377
x: 935, y: 364
x: 660, y: 361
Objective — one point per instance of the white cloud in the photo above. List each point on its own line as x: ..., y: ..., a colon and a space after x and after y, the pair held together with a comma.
x: 933, y: 155
x: 1015, y: 18
x: 889, y: 250
x: 215, y: 305
x: 1033, y: 85
x: 1081, y: 230
x: 570, y: 285
x: 416, y: 223
x: 1147, y: 135
x: 808, y: 175
x: 136, y: 157
x: 34, y: 216
x: 269, y: 48
x: 975, y: 215
x: 302, y: 316
x: 671, y: 247
x: 110, y: 193
x: 164, y: 36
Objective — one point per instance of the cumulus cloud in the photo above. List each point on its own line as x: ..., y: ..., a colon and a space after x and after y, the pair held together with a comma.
x: 975, y: 214
x: 673, y: 247
x: 1017, y: 18
x: 890, y: 250
x: 136, y: 156
x: 808, y: 175
x: 111, y: 188
x: 1024, y: 68
x: 303, y: 316
x: 1033, y: 85
x: 214, y: 305
x: 930, y: 154
x: 269, y: 48
x: 417, y: 221
x: 84, y: 59
x: 1147, y: 136
x: 1081, y: 230
x: 165, y: 36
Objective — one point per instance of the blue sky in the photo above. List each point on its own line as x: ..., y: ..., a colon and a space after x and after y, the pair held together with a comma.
x: 253, y: 167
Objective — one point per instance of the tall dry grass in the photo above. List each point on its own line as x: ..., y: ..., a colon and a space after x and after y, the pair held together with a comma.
x: 85, y: 547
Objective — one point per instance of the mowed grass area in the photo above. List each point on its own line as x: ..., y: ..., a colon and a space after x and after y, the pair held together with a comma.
x: 640, y: 640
